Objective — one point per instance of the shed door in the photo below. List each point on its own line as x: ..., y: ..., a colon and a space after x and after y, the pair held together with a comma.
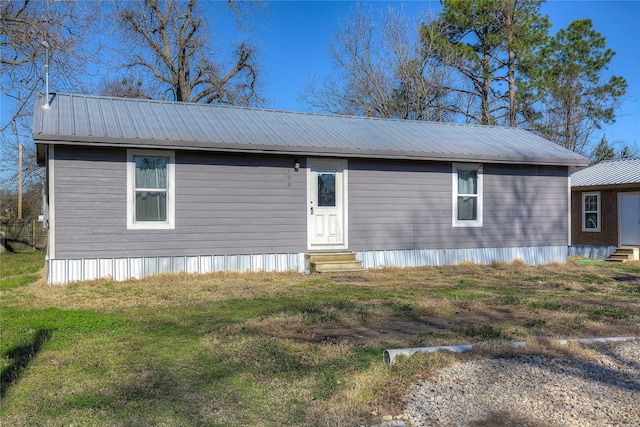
x: 629, y: 207
x: 326, y: 213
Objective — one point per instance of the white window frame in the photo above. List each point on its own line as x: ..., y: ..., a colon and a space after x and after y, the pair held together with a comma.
x: 132, y: 224
x: 455, y: 222
x: 598, y: 212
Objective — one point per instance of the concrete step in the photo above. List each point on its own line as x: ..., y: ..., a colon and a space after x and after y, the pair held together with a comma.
x: 330, y: 256
x: 624, y: 254
x: 627, y: 250
x: 333, y: 262
x: 615, y: 257
x: 337, y: 266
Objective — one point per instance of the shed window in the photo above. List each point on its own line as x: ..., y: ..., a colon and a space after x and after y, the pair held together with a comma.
x: 591, y: 211
x: 150, y: 178
x: 467, y: 195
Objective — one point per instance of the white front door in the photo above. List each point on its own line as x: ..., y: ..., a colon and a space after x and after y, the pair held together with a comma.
x: 327, y: 207
x: 629, y: 206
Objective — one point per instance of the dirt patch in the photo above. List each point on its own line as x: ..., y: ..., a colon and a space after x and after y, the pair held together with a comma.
x: 363, y: 334
x: 348, y: 279
x: 466, y: 325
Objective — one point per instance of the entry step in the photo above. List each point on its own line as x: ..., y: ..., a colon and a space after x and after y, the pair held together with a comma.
x: 333, y: 262
x: 624, y: 254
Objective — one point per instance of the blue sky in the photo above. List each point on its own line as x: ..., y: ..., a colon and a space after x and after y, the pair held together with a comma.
x: 295, y: 37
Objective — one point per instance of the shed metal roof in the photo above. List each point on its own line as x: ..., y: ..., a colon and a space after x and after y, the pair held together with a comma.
x: 609, y: 172
x: 106, y: 121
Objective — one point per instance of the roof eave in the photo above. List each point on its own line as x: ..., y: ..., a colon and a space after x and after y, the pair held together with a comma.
x: 305, y: 151
x: 605, y: 186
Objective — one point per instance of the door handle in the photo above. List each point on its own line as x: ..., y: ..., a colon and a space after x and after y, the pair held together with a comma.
x: 311, y: 210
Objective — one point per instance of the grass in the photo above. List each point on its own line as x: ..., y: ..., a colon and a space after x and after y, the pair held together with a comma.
x: 14, y: 264
x: 277, y: 348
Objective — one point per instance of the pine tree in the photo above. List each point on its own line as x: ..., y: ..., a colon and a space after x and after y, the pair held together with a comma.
x: 603, y: 151
x: 488, y: 38
x: 570, y: 101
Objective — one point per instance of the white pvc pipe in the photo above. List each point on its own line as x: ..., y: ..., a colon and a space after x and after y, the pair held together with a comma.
x: 593, y: 340
x: 391, y: 355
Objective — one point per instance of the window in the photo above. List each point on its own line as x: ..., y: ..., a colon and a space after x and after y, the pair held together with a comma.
x: 151, y: 189
x: 327, y: 189
x: 467, y: 195
x: 591, y: 211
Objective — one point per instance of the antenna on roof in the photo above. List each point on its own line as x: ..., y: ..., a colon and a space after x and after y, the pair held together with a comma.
x: 46, y: 73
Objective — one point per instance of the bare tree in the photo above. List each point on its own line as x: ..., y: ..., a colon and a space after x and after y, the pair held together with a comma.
x: 382, y: 68
x: 26, y: 26
x: 128, y: 86
x: 169, y: 40
x: 421, y: 90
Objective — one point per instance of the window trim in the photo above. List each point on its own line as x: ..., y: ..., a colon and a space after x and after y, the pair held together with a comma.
x: 169, y: 224
x: 598, y: 212
x: 455, y: 222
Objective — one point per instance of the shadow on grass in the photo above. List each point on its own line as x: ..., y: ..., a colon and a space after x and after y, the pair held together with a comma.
x: 21, y: 356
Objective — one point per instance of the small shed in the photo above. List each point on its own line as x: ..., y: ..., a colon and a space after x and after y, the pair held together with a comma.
x: 605, y: 208
x: 140, y: 187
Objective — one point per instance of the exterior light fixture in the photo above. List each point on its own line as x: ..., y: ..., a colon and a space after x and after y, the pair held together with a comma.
x: 296, y: 165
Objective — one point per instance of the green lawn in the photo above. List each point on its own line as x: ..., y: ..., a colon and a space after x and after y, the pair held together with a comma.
x: 271, y: 349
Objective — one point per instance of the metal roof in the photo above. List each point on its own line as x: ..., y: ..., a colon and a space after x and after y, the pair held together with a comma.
x: 123, y: 122
x: 609, y: 172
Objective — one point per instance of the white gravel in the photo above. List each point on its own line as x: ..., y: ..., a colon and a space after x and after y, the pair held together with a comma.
x: 531, y: 391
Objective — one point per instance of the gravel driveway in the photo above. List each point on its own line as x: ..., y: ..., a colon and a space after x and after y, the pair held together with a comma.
x: 532, y: 391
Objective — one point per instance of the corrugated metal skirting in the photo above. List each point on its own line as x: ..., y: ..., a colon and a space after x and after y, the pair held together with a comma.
x: 422, y: 257
x: 591, y: 251
x: 76, y: 270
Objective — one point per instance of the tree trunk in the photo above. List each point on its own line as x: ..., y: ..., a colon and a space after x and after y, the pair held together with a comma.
x: 486, y: 83
x: 512, y: 88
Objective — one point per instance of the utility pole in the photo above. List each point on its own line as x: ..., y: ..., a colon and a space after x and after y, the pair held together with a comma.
x: 19, y: 181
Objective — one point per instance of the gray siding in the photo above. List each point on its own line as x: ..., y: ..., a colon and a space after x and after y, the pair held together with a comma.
x: 234, y: 204
x: 225, y: 204
x: 407, y: 205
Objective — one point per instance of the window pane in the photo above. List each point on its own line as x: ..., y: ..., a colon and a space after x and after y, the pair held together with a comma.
x: 151, y: 172
x: 151, y: 206
x: 591, y: 221
x: 591, y: 203
x: 327, y: 189
x: 467, y: 181
x: 467, y: 208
